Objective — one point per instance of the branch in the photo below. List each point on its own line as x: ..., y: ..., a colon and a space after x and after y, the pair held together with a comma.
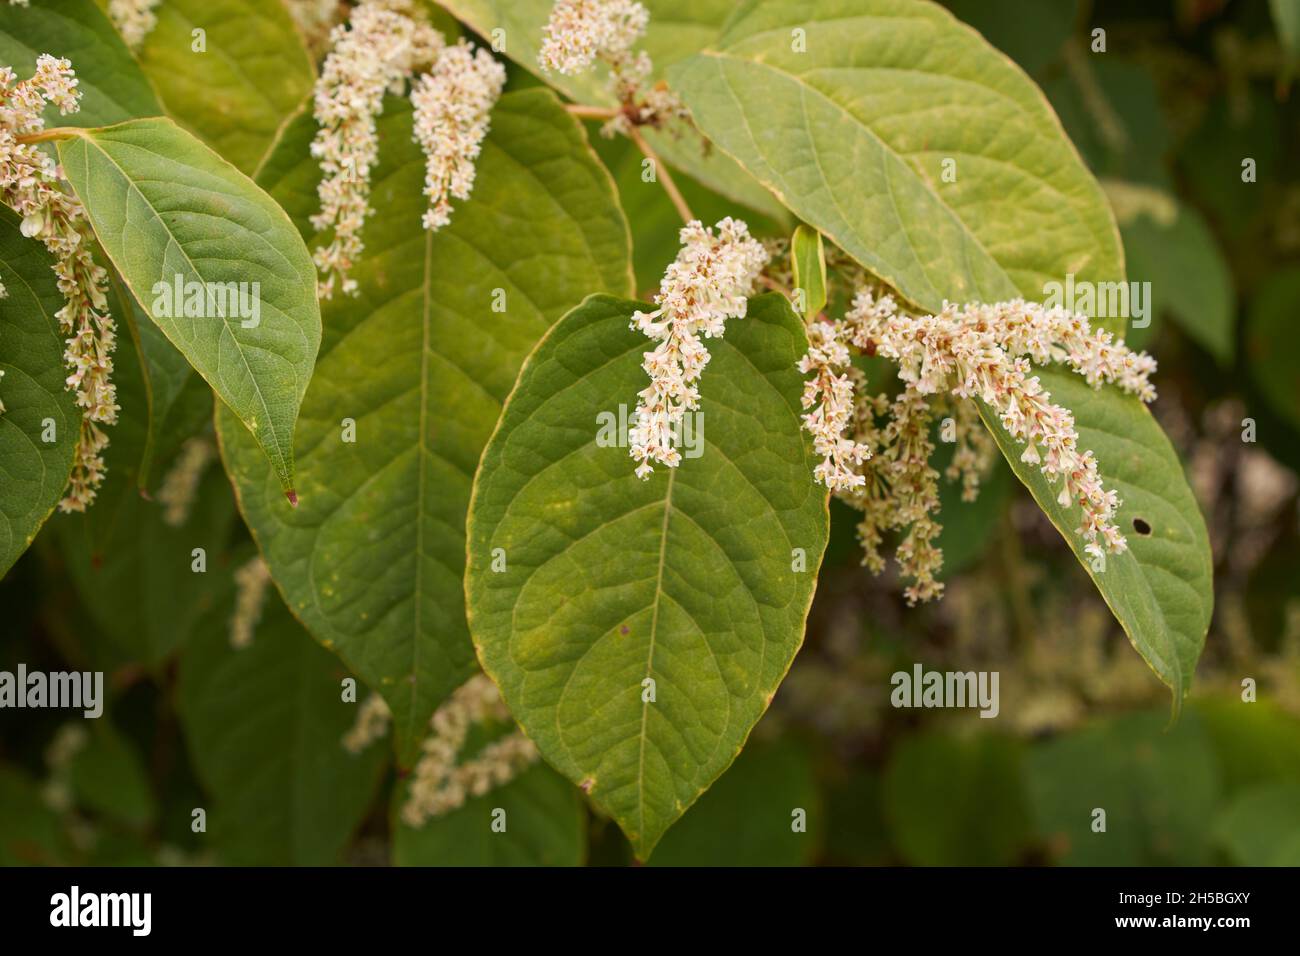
x: 49, y: 135
x: 662, y: 175
x: 591, y: 112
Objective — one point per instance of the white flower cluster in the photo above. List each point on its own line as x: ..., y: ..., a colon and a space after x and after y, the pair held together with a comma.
x: 251, y: 582
x: 581, y: 31
x: 373, y: 54
x: 373, y: 718
x: 383, y: 44
x: 440, y: 784
x: 453, y: 102
x: 134, y: 19
x: 708, y: 283
x: 181, y: 483
x: 962, y: 355
x: 30, y: 185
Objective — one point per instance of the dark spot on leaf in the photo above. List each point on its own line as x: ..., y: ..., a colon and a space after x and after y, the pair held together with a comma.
x: 624, y: 629
x: 1141, y: 527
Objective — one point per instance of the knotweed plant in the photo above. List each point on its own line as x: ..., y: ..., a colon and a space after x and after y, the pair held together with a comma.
x: 31, y: 185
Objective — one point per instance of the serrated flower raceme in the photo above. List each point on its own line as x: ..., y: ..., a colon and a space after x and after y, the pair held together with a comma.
x: 134, y: 19
x: 179, y: 486
x: 579, y: 32
x: 372, y: 720
x: 30, y: 184
x: 439, y: 783
x: 972, y: 353
x: 252, y: 579
x: 708, y: 283
x: 453, y: 102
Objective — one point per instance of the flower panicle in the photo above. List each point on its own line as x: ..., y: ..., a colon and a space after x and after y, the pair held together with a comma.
x: 708, y: 283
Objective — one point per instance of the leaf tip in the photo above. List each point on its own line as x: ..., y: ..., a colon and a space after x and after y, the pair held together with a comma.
x: 293, y: 498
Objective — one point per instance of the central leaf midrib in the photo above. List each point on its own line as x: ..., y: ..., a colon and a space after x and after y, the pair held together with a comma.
x: 650, y: 655
x: 423, y: 453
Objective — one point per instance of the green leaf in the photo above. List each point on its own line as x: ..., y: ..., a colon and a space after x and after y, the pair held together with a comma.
x: 168, y: 210
x: 1029, y: 31
x: 265, y: 725
x: 583, y: 582
x: 1262, y: 826
x: 1270, y: 338
x: 234, y: 95
x: 1257, y: 742
x: 808, y: 258
x: 1160, y: 589
x: 108, y: 777
x: 853, y: 134
x: 676, y: 29
x: 30, y: 832
x: 1286, y: 17
x: 1190, y: 281
x: 112, y: 86
x: 32, y: 392
x: 544, y: 819
x: 1159, y: 789
x: 952, y: 801
x: 748, y: 817
x: 421, y: 361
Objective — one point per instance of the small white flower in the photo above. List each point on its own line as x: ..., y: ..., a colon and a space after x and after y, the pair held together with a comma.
x: 581, y: 31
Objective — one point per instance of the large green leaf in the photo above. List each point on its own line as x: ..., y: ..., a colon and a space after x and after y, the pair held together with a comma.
x: 1270, y: 339
x: 1262, y: 826
x: 1159, y: 788
x: 112, y: 86
x: 32, y: 392
x: 167, y: 209
x: 764, y: 811
x: 1190, y: 281
x: 584, y: 582
x: 677, y: 28
x: 1161, y: 589
x: 30, y: 832
x: 265, y: 725
x: 853, y: 134
x: 954, y: 801
x: 373, y: 560
x: 235, y: 94
x: 544, y: 826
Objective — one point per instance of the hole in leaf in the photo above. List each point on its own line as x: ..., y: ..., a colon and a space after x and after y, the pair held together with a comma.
x: 1141, y: 527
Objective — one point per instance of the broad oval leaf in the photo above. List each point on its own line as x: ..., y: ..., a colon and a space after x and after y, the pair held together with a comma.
x: 112, y: 86
x: 252, y: 73
x: 855, y: 128
x: 265, y: 724
x: 585, y: 584
x: 169, y: 213
x: 420, y: 362
x: 1161, y: 589
x: 36, y: 403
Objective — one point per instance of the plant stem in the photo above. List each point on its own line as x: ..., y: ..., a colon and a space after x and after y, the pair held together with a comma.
x: 591, y: 112
x: 662, y: 175
x: 49, y: 135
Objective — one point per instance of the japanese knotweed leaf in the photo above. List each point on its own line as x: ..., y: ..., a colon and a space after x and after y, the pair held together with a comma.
x: 37, y: 405
x: 590, y: 591
x: 264, y: 725
x: 854, y: 130
x: 1161, y: 589
x: 677, y: 28
x: 253, y: 72
x: 113, y: 88
x: 171, y: 213
x: 420, y: 361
